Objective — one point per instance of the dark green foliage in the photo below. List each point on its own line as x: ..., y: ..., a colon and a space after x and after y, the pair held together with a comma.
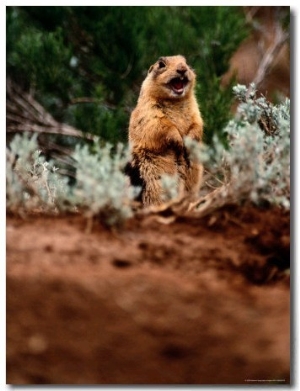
x: 102, y: 54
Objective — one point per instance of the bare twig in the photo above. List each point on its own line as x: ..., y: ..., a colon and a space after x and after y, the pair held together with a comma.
x: 249, y: 15
x: 25, y: 114
x: 203, y: 206
x: 76, y: 101
x: 270, y: 55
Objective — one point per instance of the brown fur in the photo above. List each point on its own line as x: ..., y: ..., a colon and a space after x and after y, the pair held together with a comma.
x: 166, y: 112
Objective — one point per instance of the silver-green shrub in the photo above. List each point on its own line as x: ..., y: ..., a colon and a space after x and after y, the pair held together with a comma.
x: 101, y: 187
x: 32, y: 183
x: 170, y: 187
x: 256, y: 165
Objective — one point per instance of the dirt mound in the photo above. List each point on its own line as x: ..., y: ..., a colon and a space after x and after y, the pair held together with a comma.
x: 191, y: 302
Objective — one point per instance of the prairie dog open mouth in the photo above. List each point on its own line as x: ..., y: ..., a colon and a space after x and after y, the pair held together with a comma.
x: 178, y: 84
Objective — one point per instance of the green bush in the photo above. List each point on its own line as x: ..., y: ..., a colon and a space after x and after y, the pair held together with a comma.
x: 102, y: 54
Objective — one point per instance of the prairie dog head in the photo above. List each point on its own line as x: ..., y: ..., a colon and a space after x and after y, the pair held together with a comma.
x: 170, y: 78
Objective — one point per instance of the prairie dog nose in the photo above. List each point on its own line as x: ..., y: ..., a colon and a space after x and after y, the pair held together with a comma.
x: 181, y: 69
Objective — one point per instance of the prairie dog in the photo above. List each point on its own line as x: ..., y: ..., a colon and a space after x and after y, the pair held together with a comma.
x: 165, y: 113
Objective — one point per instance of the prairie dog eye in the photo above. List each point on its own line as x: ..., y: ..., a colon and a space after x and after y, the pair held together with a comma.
x: 161, y: 64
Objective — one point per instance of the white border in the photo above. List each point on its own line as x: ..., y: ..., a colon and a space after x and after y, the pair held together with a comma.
x: 295, y: 163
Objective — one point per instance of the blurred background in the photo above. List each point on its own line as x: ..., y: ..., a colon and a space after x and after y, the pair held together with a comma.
x: 75, y: 72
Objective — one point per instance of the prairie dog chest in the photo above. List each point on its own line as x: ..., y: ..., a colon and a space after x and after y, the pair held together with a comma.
x: 180, y: 117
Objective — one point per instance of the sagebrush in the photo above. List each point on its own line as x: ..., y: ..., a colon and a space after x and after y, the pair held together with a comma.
x: 254, y: 167
x: 101, y: 188
x: 32, y: 183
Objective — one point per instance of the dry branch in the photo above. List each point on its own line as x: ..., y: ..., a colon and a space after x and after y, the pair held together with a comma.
x: 25, y: 114
x: 270, y: 55
x: 184, y: 208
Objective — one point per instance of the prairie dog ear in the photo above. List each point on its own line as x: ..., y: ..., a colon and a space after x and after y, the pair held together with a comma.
x: 150, y: 69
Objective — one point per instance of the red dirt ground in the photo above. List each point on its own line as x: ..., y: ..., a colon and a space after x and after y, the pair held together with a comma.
x: 191, y: 302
